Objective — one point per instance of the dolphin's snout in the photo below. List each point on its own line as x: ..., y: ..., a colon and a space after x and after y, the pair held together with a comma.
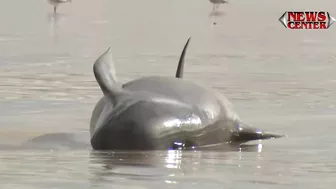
x: 246, y: 133
x: 269, y: 135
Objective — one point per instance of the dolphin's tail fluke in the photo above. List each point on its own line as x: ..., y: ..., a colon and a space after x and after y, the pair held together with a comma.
x: 105, y: 74
x: 179, y: 71
x: 245, y: 133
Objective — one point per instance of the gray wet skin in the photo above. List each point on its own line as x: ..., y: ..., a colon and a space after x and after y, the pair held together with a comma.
x: 155, y: 112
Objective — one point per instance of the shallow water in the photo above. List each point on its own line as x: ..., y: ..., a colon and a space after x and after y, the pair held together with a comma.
x: 277, y: 79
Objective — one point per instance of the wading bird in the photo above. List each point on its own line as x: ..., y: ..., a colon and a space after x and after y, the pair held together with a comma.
x: 55, y: 3
x: 216, y: 3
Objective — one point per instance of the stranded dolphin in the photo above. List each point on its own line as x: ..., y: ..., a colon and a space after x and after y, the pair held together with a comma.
x: 155, y: 112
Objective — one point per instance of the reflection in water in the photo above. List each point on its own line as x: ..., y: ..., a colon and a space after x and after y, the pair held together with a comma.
x: 107, y: 167
x: 217, y: 13
x: 161, y: 166
x: 214, y: 14
x: 168, y: 167
x: 54, y: 20
x: 173, y: 159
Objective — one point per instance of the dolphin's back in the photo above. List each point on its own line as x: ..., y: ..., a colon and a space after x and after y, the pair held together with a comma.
x: 214, y: 104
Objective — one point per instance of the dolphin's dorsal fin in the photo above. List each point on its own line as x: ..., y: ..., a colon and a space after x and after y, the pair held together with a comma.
x: 179, y: 71
x: 105, y: 74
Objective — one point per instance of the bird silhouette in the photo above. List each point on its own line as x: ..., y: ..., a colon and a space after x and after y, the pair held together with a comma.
x: 55, y: 3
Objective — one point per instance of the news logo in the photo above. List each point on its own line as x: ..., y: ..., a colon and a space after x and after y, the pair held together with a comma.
x: 307, y: 20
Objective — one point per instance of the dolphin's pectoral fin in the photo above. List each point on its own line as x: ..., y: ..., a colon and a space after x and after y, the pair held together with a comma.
x: 179, y: 71
x: 246, y: 133
x: 105, y: 74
